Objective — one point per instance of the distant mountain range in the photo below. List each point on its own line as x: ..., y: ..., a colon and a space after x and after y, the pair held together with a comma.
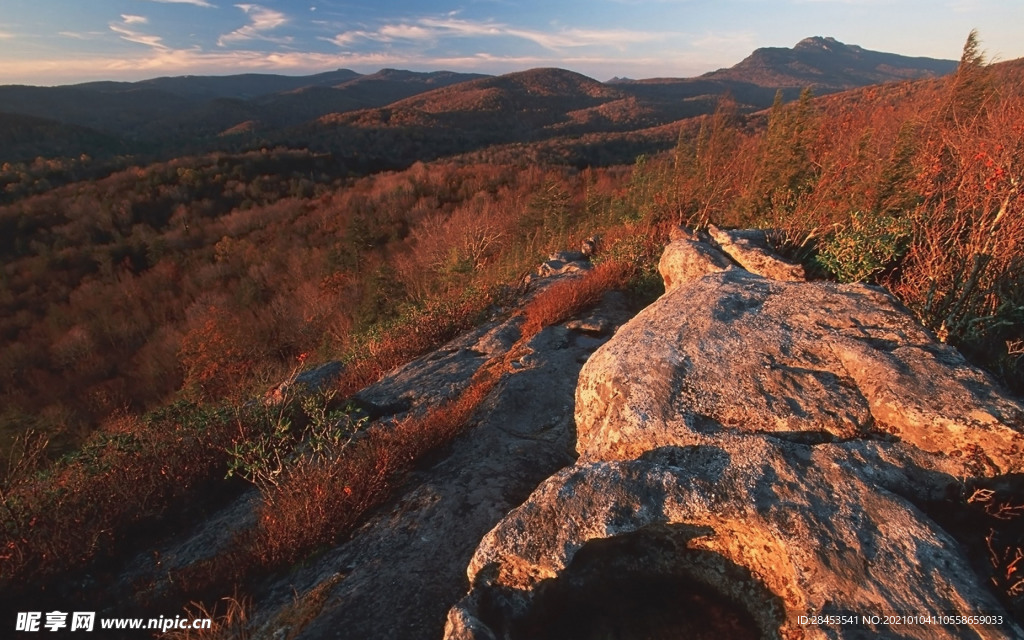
x: 827, y: 65
x: 191, y: 114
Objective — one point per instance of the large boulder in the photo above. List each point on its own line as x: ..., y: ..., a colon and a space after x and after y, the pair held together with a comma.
x: 737, y: 353
x: 685, y: 260
x: 754, y: 458
x: 771, y: 530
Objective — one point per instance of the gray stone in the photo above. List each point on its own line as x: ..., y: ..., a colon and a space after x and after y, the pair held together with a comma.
x: 312, y: 380
x: 775, y: 530
x: 750, y: 249
x: 561, y: 267
x: 737, y: 353
x: 685, y: 260
x: 568, y: 256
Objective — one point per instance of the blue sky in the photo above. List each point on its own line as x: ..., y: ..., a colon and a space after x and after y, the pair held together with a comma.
x: 65, y: 41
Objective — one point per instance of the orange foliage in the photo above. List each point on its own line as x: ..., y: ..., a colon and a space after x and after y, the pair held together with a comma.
x: 218, y: 354
x: 567, y: 297
x: 107, y: 283
x: 81, y: 511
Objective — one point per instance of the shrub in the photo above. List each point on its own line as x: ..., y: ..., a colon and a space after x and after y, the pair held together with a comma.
x: 865, y: 247
x: 81, y: 509
x: 272, y: 438
x: 318, y: 497
x: 568, y: 297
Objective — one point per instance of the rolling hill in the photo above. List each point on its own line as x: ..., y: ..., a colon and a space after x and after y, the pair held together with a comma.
x: 422, y: 115
x: 556, y: 107
x: 165, y: 117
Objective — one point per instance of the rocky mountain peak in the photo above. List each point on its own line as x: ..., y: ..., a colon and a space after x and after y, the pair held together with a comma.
x: 818, y: 43
x: 828, y: 65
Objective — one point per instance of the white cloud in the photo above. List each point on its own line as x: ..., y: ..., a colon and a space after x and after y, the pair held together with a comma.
x: 198, y: 3
x: 435, y: 29
x: 126, y: 32
x: 87, y: 35
x: 343, y: 40
x: 261, y: 20
x: 405, y: 32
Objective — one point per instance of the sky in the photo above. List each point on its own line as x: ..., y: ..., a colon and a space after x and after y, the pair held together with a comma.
x: 48, y: 42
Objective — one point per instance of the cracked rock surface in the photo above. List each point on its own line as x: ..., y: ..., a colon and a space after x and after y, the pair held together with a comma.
x: 813, y: 361
x: 757, y: 449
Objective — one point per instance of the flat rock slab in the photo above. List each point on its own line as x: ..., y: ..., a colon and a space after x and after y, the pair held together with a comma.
x: 751, y: 250
x: 405, y: 567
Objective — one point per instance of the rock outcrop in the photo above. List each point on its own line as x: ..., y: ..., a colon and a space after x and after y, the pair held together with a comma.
x: 562, y: 263
x: 751, y: 250
x: 400, y: 572
x: 685, y: 260
x: 753, y: 457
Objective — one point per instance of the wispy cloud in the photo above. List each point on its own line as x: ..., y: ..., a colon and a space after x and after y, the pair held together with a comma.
x: 162, y: 60
x: 261, y: 20
x: 82, y: 35
x: 432, y: 30
x: 344, y: 40
x: 198, y: 3
x: 738, y: 40
x: 127, y: 32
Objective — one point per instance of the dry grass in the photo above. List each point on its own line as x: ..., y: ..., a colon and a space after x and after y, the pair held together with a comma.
x: 1003, y: 543
x: 320, y: 499
x: 566, y: 298
x: 232, y: 624
x: 965, y: 266
x: 81, y: 511
x: 411, y: 337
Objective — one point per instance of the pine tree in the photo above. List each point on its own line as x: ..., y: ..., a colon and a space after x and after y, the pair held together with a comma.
x: 785, y: 172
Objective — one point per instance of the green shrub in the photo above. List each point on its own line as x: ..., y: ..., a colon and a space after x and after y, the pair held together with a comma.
x: 865, y: 247
x: 272, y: 438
